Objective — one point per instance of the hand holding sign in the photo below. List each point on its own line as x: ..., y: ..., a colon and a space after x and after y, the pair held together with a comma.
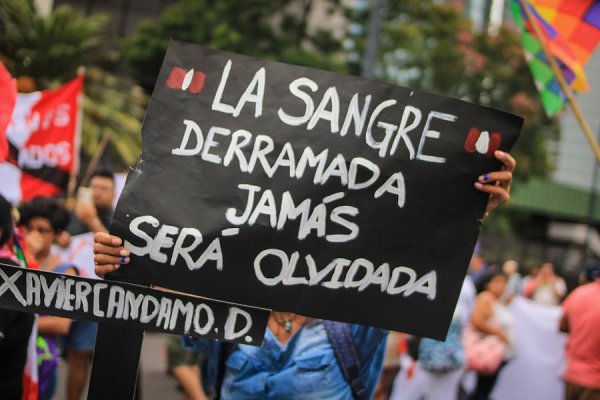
x: 286, y: 188
x: 109, y: 253
x: 497, y: 184
x: 309, y: 192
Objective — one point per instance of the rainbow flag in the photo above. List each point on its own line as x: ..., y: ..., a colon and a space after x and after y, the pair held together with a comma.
x: 571, y: 31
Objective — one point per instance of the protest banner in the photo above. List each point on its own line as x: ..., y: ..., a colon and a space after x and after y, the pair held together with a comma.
x: 128, y: 305
x: 8, y: 94
x: 299, y: 190
x: 43, y: 143
x: 280, y: 187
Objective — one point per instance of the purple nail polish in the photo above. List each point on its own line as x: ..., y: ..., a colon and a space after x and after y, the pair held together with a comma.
x: 122, y: 260
x: 485, y: 177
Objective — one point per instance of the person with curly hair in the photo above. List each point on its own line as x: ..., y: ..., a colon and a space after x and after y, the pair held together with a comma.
x: 42, y: 220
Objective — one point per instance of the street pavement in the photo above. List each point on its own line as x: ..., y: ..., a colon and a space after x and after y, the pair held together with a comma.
x: 156, y: 384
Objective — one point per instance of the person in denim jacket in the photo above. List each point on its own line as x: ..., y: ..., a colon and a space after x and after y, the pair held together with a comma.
x: 299, y: 364
x: 296, y: 359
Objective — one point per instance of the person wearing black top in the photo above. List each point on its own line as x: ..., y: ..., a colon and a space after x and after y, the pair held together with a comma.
x: 15, y: 326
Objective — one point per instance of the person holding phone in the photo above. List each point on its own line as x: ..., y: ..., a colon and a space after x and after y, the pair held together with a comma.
x: 93, y: 213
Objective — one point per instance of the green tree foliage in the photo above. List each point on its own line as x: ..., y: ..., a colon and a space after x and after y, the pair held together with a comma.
x: 116, y: 106
x: 268, y: 29
x: 431, y: 46
x: 49, y: 50
x: 428, y: 45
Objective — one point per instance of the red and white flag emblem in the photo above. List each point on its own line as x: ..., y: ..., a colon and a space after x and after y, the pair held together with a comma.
x: 482, y: 142
x: 187, y: 80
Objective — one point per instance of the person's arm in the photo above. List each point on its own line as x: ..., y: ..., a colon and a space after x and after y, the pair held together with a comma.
x: 530, y: 287
x: 109, y: 253
x: 88, y: 214
x: 497, y: 183
x: 563, y: 324
x: 482, y: 311
x: 558, y: 287
x: 51, y: 325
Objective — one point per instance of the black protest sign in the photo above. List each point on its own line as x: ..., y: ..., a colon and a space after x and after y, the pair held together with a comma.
x: 306, y: 191
x: 128, y: 305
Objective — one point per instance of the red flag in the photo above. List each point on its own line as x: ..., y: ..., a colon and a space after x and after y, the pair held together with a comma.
x: 43, y: 143
x: 8, y: 97
x: 30, y: 374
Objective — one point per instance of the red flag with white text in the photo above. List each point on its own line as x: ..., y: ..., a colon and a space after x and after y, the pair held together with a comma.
x: 43, y: 140
x: 8, y: 97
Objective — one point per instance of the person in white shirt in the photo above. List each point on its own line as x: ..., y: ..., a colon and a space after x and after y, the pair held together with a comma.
x: 547, y: 287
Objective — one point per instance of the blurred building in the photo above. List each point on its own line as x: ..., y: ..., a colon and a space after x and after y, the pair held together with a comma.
x: 561, y: 208
x: 568, y: 203
x: 485, y: 14
x: 575, y: 162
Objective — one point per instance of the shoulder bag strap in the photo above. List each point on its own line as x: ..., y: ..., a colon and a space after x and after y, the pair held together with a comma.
x: 345, y: 352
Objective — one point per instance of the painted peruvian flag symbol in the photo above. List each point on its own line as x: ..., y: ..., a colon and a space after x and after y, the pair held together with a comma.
x: 482, y: 142
x: 186, y: 80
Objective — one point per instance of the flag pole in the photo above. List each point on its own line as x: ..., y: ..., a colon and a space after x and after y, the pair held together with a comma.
x: 95, y: 158
x: 72, y: 185
x: 561, y: 80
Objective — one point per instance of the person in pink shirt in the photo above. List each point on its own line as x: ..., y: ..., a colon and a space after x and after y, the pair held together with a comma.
x: 581, y: 320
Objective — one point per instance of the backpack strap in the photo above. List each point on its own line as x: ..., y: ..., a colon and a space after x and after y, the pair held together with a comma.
x: 225, y: 350
x: 346, y: 355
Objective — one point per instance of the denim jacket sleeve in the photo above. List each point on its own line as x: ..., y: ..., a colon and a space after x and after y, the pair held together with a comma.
x: 370, y: 344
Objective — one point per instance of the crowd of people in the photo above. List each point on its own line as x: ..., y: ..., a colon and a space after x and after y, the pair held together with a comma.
x: 35, y: 235
x: 463, y: 368
x: 301, y: 357
x: 41, y: 234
